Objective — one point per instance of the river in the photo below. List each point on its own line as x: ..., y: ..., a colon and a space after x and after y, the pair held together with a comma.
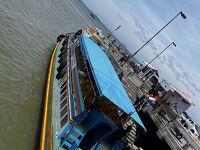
x: 28, y: 31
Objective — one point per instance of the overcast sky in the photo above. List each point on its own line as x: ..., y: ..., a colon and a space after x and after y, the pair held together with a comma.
x: 140, y: 19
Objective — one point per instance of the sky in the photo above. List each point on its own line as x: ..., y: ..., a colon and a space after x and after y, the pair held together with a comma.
x: 141, y: 19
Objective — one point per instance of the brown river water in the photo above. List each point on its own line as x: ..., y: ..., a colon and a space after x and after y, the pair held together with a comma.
x: 28, y: 31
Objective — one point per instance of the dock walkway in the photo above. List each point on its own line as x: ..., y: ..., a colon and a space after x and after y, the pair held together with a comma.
x: 128, y: 81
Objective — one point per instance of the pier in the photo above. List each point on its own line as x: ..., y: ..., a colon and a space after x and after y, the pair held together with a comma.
x: 165, y: 131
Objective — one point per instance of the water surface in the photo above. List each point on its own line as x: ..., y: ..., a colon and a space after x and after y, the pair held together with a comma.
x: 28, y: 30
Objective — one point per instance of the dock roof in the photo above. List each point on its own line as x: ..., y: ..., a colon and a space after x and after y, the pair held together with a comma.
x: 106, y: 78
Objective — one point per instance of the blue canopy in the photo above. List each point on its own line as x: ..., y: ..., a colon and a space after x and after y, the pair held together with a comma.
x: 106, y: 78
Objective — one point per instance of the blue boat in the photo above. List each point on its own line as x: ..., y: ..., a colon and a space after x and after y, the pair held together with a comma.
x: 86, y: 106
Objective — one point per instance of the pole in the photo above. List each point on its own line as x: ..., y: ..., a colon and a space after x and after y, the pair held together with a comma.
x: 114, y: 31
x: 160, y: 53
x: 117, y: 28
x: 180, y: 13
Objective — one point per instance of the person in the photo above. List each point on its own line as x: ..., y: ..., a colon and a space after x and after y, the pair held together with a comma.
x: 153, y: 91
x: 147, y: 98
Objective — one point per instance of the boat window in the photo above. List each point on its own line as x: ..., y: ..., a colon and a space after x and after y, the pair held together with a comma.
x: 63, y: 96
x: 63, y: 89
x: 63, y: 84
x: 64, y: 111
x: 64, y: 120
x: 64, y: 102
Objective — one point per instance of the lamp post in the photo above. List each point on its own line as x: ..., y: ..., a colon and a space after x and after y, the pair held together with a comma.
x: 160, y: 54
x: 113, y: 41
x: 114, y: 31
x: 180, y: 13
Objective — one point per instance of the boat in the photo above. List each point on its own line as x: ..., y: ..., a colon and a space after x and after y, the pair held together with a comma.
x: 85, y: 106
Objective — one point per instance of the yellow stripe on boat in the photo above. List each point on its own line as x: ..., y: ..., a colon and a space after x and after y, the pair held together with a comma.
x: 44, y: 121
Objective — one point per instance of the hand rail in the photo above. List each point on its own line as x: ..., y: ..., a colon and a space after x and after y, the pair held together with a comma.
x: 45, y: 111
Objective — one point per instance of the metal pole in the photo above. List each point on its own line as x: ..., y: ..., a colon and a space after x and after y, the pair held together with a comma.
x: 180, y: 13
x: 160, y: 53
x: 117, y: 28
x: 113, y: 31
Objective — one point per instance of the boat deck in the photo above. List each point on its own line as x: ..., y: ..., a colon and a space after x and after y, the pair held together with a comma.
x: 65, y: 102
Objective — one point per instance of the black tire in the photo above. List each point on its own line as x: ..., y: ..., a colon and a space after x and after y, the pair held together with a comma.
x: 63, y: 49
x: 62, y: 53
x: 62, y: 59
x: 60, y: 37
x: 65, y: 42
x: 61, y: 74
x: 62, y: 65
x: 63, y: 56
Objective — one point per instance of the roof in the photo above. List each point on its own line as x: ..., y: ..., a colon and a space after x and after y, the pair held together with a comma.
x: 106, y: 78
x: 150, y: 66
x: 185, y: 96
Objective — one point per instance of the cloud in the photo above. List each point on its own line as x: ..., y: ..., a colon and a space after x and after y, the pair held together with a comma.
x: 182, y: 75
x: 142, y: 19
x: 173, y: 64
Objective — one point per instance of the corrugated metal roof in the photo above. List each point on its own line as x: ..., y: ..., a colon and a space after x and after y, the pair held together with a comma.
x: 107, y: 79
